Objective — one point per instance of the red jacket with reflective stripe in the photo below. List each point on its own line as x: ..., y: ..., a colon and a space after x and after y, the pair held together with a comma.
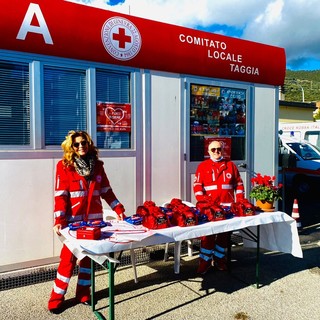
x: 73, y: 192
x: 221, y: 180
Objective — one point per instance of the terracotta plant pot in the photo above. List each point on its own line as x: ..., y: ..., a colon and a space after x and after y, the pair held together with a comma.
x: 265, y: 205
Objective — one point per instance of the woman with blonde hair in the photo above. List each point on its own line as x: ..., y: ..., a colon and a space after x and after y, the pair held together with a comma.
x: 80, y: 184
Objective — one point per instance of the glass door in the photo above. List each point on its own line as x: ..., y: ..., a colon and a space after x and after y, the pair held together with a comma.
x: 216, y: 112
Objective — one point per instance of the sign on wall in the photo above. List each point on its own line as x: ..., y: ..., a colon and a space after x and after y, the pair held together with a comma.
x: 113, y: 117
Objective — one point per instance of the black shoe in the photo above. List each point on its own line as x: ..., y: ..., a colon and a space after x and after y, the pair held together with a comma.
x: 56, y: 310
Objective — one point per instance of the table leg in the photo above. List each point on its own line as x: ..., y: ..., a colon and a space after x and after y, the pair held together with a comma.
x: 177, y: 254
x: 111, y: 290
x: 256, y: 238
x: 93, y: 292
x: 258, y: 258
x: 93, y: 286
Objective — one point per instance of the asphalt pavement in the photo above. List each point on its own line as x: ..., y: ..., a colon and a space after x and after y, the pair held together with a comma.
x: 289, y: 289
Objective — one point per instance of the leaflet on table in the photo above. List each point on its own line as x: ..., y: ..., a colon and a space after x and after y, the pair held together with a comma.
x: 123, y: 226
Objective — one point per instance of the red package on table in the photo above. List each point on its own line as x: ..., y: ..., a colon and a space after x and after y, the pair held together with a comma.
x: 89, y: 233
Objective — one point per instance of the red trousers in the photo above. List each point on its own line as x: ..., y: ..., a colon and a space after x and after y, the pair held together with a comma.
x: 64, y: 273
x: 214, y: 245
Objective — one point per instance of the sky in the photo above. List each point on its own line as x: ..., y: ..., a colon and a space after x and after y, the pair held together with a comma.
x: 290, y: 24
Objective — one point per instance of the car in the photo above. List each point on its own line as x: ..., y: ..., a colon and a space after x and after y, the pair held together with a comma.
x: 299, y: 165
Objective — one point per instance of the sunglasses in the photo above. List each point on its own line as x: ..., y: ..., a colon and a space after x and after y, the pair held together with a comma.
x: 77, y: 144
x: 215, y: 149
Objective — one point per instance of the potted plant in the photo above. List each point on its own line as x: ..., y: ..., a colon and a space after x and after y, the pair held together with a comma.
x: 265, y: 192
x: 316, y: 114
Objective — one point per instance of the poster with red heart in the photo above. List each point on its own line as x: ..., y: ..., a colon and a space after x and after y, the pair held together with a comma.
x: 115, y: 117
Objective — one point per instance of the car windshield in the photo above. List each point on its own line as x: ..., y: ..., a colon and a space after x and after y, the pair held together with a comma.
x: 305, y: 151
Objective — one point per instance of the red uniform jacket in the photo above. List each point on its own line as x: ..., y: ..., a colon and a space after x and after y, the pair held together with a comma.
x: 73, y: 193
x: 220, y: 180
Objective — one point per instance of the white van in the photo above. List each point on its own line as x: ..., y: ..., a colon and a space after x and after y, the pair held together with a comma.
x: 309, y: 131
x: 300, y: 161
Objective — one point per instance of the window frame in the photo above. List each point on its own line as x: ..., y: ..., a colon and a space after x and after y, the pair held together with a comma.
x: 36, y: 95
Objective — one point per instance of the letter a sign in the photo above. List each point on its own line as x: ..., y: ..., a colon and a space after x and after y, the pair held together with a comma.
x: 34, y: 10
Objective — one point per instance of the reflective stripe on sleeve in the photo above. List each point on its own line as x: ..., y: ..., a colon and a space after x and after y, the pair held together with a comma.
x: 75, y: 218
x: 93, y: 216
x: 114, y: 203
x: 60, y: 193
x: 96, y: 193
x: 58, y: 214
x: 105, y: 189
x: 78, y: 194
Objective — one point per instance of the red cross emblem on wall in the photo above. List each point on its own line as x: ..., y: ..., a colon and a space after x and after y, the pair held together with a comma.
x: 122, y: 38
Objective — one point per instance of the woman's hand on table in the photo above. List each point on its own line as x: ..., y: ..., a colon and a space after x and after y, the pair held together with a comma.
x: 119, y: 210
x: 57, y: 229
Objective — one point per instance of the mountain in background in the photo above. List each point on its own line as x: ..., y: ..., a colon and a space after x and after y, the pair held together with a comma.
x: 302, y: 83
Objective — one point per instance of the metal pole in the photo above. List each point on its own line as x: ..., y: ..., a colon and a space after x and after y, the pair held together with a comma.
x: 302, y: 90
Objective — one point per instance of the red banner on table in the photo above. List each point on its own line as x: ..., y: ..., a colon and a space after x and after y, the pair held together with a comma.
x: 115, y: 117
x: 226, y: 146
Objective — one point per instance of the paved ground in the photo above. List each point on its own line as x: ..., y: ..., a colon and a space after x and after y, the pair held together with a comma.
x: 290, y: 290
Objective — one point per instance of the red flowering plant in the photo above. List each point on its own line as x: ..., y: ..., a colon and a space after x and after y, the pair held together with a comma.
x: 263, y: 188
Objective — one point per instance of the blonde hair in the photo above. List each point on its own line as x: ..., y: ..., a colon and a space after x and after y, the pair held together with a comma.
x: 69, y: 152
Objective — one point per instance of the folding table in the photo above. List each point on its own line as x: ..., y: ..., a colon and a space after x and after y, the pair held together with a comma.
x: 275, y: 231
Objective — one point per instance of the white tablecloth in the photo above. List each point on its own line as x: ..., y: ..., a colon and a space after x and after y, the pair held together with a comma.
x: 278, y: 232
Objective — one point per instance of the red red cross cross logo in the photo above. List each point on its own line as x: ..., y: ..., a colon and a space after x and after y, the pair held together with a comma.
x: 121, y: 38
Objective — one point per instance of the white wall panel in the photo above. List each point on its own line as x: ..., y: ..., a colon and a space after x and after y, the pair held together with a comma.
x: 27, y: 205
x: 265, y: 135
x: 165, y: 137
x: 26, y: 210
x: 121, y: 173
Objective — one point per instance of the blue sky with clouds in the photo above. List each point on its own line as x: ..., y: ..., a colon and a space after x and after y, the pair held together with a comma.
x: 290, y: 24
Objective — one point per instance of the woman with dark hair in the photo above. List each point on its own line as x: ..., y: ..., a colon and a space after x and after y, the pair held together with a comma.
x: 80, y: 184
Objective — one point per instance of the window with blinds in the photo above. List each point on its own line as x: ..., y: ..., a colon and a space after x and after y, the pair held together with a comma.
x: 113, y: 87
x: 65, y: 106
x: 14, y: 104
x: 64, y: 100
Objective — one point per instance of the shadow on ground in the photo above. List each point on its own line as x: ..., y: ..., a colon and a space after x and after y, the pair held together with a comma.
x: 273, y: 266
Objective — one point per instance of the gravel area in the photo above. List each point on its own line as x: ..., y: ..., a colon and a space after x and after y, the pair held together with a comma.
x: 289, y: 290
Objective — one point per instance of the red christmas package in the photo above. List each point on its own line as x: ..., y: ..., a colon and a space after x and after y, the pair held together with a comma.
x: 153, y: 217
x: 243, y: 208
